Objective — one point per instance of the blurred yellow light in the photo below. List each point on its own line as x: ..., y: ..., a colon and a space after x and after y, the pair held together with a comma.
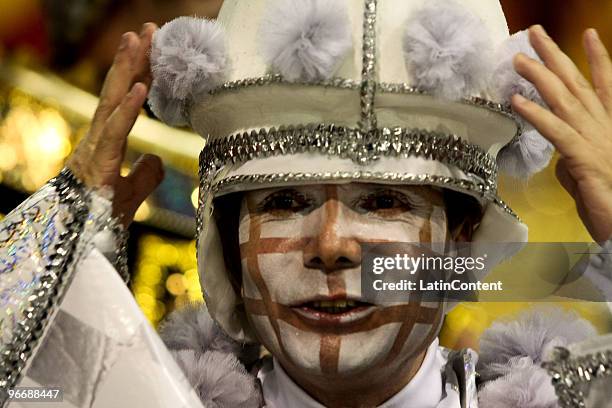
x: 150, y: 240
x: 53, y: 144
x: 145, y: 300
x: 176, y: 284
x: 8, y: 157
x: 144, y: 290
x: 191, y: 249
x: 125, y: 169
x: 194, y: 198
x: 148, y: 274
x: 28, y: 183
x: 192, y: 275
x: 167, y: 254
x: 143, y: 212
x: 49, y: 136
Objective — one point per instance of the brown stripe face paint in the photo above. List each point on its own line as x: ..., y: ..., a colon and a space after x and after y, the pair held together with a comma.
x: 329, y: 353
x: 301, y: 244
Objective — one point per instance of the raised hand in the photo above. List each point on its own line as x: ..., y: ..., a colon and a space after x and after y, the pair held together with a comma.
x: 579, y: 123
x: 98, y: 157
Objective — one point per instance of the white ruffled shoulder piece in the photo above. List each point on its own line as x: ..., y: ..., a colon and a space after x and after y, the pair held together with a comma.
x: 41, y: 241
x: 515, y: 354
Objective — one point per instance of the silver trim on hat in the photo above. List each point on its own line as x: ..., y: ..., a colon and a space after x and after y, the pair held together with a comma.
x: 349, y: 143
x: 477, y: 189
x: 367, y: 89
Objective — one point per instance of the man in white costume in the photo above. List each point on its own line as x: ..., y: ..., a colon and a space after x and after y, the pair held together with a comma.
x: 329, y: 125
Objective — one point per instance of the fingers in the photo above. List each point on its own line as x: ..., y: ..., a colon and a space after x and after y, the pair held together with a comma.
x: 131, y: 65
x: 143, y: 69
x: 118, y: 79
x: 110, y: 149
x: 147, y: 173
x: 565, y: 69
x: 601, y: 67
x: 565, y: 139
x: 554, y: 92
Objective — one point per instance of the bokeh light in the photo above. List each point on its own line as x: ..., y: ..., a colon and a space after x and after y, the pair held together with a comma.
x: 166, y: 276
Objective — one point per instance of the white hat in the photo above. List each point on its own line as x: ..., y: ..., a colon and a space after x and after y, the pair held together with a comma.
x: 290, y: 92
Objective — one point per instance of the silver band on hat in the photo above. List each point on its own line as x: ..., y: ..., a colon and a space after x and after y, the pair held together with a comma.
x: 349, y: 143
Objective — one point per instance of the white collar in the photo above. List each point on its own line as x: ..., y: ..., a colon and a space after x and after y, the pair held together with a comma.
x: 423, y: 391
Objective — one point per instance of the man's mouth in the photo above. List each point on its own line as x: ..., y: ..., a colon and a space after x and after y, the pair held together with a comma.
x: 335, y: 306
x: 337, y: 312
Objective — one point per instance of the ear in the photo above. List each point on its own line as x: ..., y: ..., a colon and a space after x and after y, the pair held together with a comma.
x: 463, y: 215
x: 463, y: 231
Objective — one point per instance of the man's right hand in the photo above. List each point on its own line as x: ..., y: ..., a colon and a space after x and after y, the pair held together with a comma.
x: 98, y: 157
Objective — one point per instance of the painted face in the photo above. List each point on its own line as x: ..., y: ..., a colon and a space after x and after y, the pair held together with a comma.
x: 301, y: 265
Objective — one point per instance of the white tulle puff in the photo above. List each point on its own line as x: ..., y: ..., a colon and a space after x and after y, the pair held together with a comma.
x: 530, y: 154
x: 512, y: 351
x: 533, y: 334
x: 305, y: 39
x: 188, y: 58
x: 448, y: 50
x: 506, y: 81
x: 527, y: 385
x: 219, y: 379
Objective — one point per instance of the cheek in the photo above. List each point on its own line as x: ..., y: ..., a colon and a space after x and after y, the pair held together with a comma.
x: 286, y: 278
x: 272, y: 260
x: 429, y: 226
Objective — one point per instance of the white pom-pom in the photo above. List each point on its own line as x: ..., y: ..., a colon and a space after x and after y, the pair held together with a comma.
x: 526, y: 386
x: 188, y: 58
x: 448, y: 50
x: 167, y: 109
x: 506, y: 81
x: 192, y: 328
x: 533, y: 334
x: 530, y: 154
x: 219, y: 379
x: 305, y: 39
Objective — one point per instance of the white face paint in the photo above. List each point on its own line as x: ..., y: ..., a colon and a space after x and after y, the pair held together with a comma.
x: 301, y: 261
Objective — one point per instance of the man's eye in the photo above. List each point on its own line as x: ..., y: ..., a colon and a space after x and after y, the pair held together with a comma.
x: 285, y: 202
x: 385, y: 201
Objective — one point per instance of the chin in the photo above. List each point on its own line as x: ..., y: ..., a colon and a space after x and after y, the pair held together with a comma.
x: 319, y: 353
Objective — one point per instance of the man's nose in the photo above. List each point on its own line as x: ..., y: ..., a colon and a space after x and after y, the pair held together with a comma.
x: 328, y: 250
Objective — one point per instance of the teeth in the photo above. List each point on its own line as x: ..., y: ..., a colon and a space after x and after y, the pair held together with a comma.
x: 334, y: 303
x: 334, y: 306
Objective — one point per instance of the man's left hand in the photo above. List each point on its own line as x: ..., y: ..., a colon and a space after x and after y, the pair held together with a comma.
x: 579, y: 123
